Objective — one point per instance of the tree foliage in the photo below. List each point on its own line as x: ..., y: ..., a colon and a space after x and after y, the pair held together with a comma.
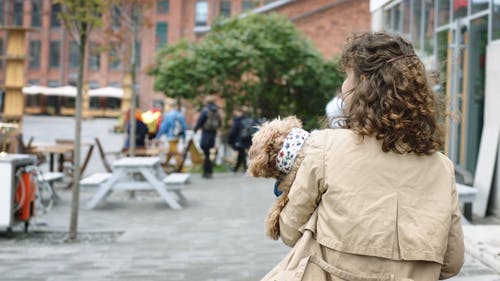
x: 259, y: 60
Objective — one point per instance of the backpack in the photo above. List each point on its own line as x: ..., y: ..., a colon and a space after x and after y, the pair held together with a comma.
x: 248, y: 128
x: 213, y: 120
x: 177, y: 130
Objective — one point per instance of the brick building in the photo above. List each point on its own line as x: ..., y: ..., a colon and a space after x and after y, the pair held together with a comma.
x: 53, y: 55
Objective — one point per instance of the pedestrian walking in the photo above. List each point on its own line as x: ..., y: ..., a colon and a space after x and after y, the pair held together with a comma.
x: 240, y: 137
x: 209, y: 121
x: 173, y: 124
x: 375, y: 199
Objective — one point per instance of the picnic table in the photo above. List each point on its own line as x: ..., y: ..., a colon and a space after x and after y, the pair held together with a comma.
x: 53, y: 149
x: 134, y: 174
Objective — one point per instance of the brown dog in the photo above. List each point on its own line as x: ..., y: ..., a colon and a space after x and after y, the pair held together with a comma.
x: 266, y: 144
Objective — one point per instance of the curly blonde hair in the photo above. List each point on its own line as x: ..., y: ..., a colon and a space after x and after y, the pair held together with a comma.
x: 392, y: 99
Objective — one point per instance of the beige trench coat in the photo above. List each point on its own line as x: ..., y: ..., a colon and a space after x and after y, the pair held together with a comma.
x: 358, y: 213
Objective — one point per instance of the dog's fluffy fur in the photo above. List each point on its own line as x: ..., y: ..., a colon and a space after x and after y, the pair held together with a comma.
x: 266, y: 144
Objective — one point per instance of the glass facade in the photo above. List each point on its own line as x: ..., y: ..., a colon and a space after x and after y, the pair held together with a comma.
x: 34, y: 54
x: 428, y: 18
x: 496, y: 20
x: 452, y: 36
x: 479, y: 5
x: 443, y: 12
x: 460, y: 8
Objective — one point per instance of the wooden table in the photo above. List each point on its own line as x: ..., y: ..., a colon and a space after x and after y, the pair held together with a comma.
x: 138, y: 173
x: 53, y: 149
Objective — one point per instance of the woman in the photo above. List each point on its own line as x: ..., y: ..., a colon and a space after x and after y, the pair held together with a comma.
x: 375, y: 200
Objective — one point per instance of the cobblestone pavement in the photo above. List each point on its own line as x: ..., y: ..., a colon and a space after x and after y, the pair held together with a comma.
x: 219, y: 235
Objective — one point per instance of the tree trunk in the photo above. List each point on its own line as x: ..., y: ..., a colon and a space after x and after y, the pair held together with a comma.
x: 133, y: 104
x: 75, y: 202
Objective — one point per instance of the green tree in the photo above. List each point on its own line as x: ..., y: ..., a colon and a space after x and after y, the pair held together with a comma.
x: 79, y: 17
x: 259, y: 60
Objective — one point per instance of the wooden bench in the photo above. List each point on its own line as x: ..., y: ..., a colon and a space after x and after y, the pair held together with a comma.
x: 175, y: 182
x: 466, y: 196
x: 95, y: 180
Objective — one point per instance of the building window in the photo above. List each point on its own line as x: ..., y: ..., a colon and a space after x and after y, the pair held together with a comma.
x: 479, y: 5
x: 459, y: 8
x: 1, y: 49
x: 33, y: 82
x: 94, y: 57
x: 406, y: 10
x: 225, y: 9
x: 428, y: 14
x: 201, y: 16
x: 496, y: 20
x: 113, y: 60
x: 137, y: 55
x: 114, y: 84
x: 247, y: 5
x: 116, y: 17
x: 268, y: 1
x: 36, y: 12
x: 393, y: 19
x: 54, y: 54
x: 35, y: 54
x: 443, y: 12
x: 161, y: 34
x: 54, y: 15
x: 163, y: 7
x: 416, y: 24
x: 94, y: 85
x: 1, y: 12
x: 53, y: 83
x: 18, y: 13
x: 74, y: 55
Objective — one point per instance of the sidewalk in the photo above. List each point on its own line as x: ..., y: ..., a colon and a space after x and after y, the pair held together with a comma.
x: 218, y: 236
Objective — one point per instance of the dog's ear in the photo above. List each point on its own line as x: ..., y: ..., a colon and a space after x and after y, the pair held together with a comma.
x: 258, y: 156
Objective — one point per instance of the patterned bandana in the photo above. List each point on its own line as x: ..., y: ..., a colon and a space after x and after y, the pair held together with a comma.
x: 290, y: 149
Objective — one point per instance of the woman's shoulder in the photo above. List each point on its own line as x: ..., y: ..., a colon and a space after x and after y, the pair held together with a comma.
x: 327, y: 137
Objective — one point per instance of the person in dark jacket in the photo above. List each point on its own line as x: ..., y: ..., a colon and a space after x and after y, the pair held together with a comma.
x: 209, y: 121
x: 239, y: 137
x: 141, y: 131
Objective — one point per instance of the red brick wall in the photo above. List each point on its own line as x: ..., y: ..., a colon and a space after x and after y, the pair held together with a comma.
x: 328, y: 23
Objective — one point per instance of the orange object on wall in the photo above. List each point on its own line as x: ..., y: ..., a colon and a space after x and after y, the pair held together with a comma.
x: 28, y: 204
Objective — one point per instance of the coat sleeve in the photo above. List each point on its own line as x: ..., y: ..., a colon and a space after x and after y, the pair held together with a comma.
x: 454, y: 256
x: 201, y: 120
x: 305, y: 194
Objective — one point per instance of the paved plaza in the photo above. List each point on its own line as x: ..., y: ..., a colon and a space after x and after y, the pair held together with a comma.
x: 219, y: 235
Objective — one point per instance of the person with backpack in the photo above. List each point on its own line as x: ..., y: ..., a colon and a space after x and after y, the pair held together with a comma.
x: 240, y: 137
x: 209, y: 121
x: 173, y: 124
